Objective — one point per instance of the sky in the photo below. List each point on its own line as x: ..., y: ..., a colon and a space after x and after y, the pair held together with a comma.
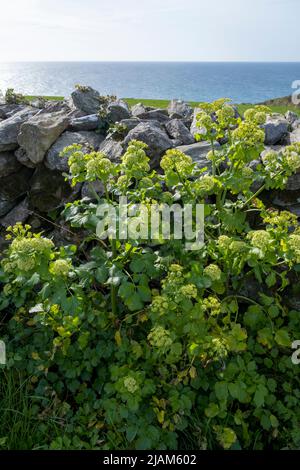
x: 154, y: 30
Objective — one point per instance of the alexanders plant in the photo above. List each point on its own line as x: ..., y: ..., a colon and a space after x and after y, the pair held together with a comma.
x: 134, y: 338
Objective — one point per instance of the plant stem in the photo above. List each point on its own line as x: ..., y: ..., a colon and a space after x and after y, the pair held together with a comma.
x: 213, y: 160
x: 254, y: 195
x: 114, y: 289
x: 260, y: 190
x: 242, y: 297
x: 94, y: 192
x: 183, y: 183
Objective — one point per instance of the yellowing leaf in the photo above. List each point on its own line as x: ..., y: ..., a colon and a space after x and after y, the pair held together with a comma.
x: 161, y: 416
x: 282, y: 338
x: 193, y: 372
x: 35, y: 356
x: 118, y: 338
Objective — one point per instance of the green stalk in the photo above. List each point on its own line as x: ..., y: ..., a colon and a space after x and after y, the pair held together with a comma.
x: 114, y: 289
x: 214, y: 174
x: 254, y: 195
x: 259, y: 191
x: 213, y: 152
x: 241, y: 297
x: 94, y: 192
x: 183, y: 183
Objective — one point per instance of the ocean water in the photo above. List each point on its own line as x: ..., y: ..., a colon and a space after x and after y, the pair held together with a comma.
x: 243, y: 82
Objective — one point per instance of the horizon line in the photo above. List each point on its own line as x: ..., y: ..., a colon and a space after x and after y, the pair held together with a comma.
x: 156, y: 61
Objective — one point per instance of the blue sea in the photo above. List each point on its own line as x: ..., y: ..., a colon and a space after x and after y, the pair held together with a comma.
x: 243, y: 82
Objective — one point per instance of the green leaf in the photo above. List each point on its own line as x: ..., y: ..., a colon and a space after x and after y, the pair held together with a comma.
x: 254, y: 317
x: 212, y: 410
x: 134, y: 303
x: 226, y: 437
x: 126, y: 290
x: 34, y: 280
x: 131, y: 433
x: 273, y: 311
x: 271, y: 279
x: 274, y: 421
x: 145, y: 293
x: 282, y: 338
x: 3, y: 441
x: 176, y: 350
x: 3, y: 303
x: 238, y: 390
x: 83, y: 339
x: 233, y: 222
x: 265, y: 337
x: 266, y: 300
x: 221, y: 390
x: 145, y: 263
x: 265, y: 422
x: 172, y: 178
x: 101, y: 274
x: 143, y: 443
x: 260, y: 395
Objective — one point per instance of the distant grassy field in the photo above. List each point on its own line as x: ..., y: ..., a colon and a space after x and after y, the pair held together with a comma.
x: 241, y: 107
x: 154, y: 103
x: 282, y: 109
x: 275, y: 108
